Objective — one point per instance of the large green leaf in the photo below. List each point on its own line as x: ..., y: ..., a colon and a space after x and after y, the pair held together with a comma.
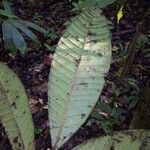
x: 77, y: 74
x: 123, y: 140
x: 14, y: 111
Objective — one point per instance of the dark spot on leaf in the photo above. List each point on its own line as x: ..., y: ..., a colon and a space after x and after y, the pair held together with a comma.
x: 77, y: 61
x: 83, y: 83
x: 68, y: 93
x: 112, y: 148
x: 94, y: 41
x: 99, y: 54
x: 15, y: 140
x: 90, y: 33
x: 82, y: 116
x: 19, y: 144
x: 13, y: 104
x: 24, y: 112
x: 117, y: 140
x: 17, y: 96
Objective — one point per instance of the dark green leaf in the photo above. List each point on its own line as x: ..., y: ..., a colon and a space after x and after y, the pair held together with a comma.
x: 7, y: 7
x: 50, y: 48
x: 7, y: 34
x: 24, y: 29
x: 32, y: 25
x: 104, y: 107
x: 12, y: 35
x: 104, y: 3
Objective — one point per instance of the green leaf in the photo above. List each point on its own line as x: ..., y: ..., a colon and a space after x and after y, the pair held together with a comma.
x: 32, y: 25
x: 50, y: 48
x: 142, y: 39
x: 14, y: 111
x: 24, y: 29
x: 120, y: 14
x: 7, y: 7
x: 104, y: 107
x: 7, y: 34
x: 122, y: 140
x: 13, y: 37
x: 76, y: 79
x: 104, y: 3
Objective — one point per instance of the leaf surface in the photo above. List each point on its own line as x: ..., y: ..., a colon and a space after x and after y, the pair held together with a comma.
x: 15, y: 114
x: 76, y: 79
x: 123, y: 140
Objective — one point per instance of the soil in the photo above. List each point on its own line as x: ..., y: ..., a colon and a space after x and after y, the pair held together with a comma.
x: 33, y: 68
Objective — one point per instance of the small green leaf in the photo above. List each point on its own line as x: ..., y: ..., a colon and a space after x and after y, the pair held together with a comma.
x: 50, y: 48
x: 120, y: 14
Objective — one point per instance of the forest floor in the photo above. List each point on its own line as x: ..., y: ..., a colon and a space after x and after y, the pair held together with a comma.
x: 33, y: 68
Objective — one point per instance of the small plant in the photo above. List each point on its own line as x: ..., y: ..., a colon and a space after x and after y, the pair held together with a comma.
x: 14, y: 30
x: 38, y: 19
x: 52, y: 34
